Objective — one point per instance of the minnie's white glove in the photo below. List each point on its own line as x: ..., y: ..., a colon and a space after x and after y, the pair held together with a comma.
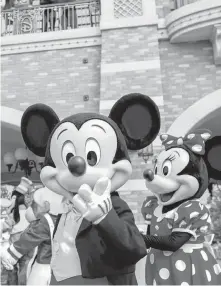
x: 94, y: 205
x: 7, y: 260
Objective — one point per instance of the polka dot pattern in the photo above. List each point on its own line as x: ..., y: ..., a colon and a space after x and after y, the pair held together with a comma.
x: 169, y: 226
x: 205, y: 216
x: 176, y: 216
x: 186, y: 266
x: 189, y: 205
x: 204, y: 255
x: 197, y: 148
x: 164, y: 273
x: 183, y: 223
x: 152, y: 258
x: 180, y: 265
x: 208, y: 275
x: 167, y: 253
x: 217, y: 269
x: 201, y: 206
x: 159, y: 219
x: 204, y: 229
x: 194, y: 214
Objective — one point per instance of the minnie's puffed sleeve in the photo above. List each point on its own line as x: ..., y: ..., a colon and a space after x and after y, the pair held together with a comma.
x: 192, y: 217
x: 37, y: 232
x: 119, y: 230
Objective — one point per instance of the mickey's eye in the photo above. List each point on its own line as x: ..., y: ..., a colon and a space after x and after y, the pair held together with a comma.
x: 68, y: 151
x: 155, y: 170
x: 167, y: 167
x: 93, y: 152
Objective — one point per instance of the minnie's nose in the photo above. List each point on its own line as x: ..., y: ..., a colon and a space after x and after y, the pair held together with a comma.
x: 148, y: 175
x: 77, y: 166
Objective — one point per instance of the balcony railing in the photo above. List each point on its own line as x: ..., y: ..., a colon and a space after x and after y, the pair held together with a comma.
x: 181, y: 3
x: 45, y: 18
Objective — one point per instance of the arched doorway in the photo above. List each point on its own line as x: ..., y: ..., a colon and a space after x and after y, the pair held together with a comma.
x: 11, y: 139
x: 204, y: 114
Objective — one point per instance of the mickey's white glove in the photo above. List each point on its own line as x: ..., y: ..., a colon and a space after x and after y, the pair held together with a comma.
x: 94, y: 205
x: 7, y: 260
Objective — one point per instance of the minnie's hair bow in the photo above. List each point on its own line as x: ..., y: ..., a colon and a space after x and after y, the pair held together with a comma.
x: 195, y: 141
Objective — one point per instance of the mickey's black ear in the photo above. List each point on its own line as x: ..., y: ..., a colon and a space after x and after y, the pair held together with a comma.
x: 212, y: 157
x: 37, y: 123
x: 138, y: 118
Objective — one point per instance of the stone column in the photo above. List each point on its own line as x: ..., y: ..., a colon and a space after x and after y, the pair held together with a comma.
x: 216, y: 42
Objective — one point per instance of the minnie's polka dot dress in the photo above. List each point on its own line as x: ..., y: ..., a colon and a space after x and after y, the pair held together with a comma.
x: 193, y: 263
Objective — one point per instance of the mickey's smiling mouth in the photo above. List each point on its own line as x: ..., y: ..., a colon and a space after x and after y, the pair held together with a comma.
x: 166, y: 197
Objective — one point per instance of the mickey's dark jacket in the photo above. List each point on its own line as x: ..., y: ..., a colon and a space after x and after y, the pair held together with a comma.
x: 111, y: 248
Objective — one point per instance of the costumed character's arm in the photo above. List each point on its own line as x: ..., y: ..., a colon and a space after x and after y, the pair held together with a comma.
x: 147, y: 211
x: 37, y: 232
x: 189, y: 218
x: 7, y: 224
x: 116, y: 224
x: 168, y: 242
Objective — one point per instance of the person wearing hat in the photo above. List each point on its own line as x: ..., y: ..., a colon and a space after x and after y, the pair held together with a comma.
x: 6, y: 225
x: 42, y: 215
x: 16, y: 218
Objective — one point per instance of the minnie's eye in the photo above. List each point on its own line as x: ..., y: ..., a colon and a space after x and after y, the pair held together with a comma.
x: 93, y: 152
x: 167, y: 167
x: 68, y: 151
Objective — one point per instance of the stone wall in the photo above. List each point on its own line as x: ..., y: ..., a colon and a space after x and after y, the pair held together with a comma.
x: 58, y: 78
x: 188, y: 73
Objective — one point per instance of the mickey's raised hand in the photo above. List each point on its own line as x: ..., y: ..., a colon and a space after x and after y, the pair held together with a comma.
x: 94, y: 205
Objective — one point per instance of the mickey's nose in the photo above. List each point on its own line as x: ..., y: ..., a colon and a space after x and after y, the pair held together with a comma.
x: 148, y: 175
x: 77, y: 166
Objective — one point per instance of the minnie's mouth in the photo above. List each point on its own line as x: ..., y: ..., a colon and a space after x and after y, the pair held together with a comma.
x: 166, y: 197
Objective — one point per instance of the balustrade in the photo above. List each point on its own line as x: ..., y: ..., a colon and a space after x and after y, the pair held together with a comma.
x: 45, y: 18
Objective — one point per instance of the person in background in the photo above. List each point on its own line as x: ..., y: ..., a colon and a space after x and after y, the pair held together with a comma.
x: 49, y: 16
x: 5, y: 227
x: 42, y: 215
x: 16, y: 213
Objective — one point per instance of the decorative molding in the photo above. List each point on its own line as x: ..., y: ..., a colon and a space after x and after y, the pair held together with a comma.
x: 216, y: 42
x: 109, y: 21
x: 130, y: 66
x: 127, y: 8
x: 193, y: 22
x: 50, y: 41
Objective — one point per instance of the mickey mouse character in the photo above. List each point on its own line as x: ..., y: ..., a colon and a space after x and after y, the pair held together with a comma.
x: 87, y: 161
x: 179, y: 231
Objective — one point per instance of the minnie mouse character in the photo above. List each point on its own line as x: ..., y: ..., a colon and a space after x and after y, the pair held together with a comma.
x: 87, y: 161
x: 179, y: 231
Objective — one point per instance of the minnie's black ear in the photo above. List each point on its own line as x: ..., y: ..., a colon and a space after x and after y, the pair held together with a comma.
x: 212, y: 157
x: 138, y: 118
x: 37, y: 123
